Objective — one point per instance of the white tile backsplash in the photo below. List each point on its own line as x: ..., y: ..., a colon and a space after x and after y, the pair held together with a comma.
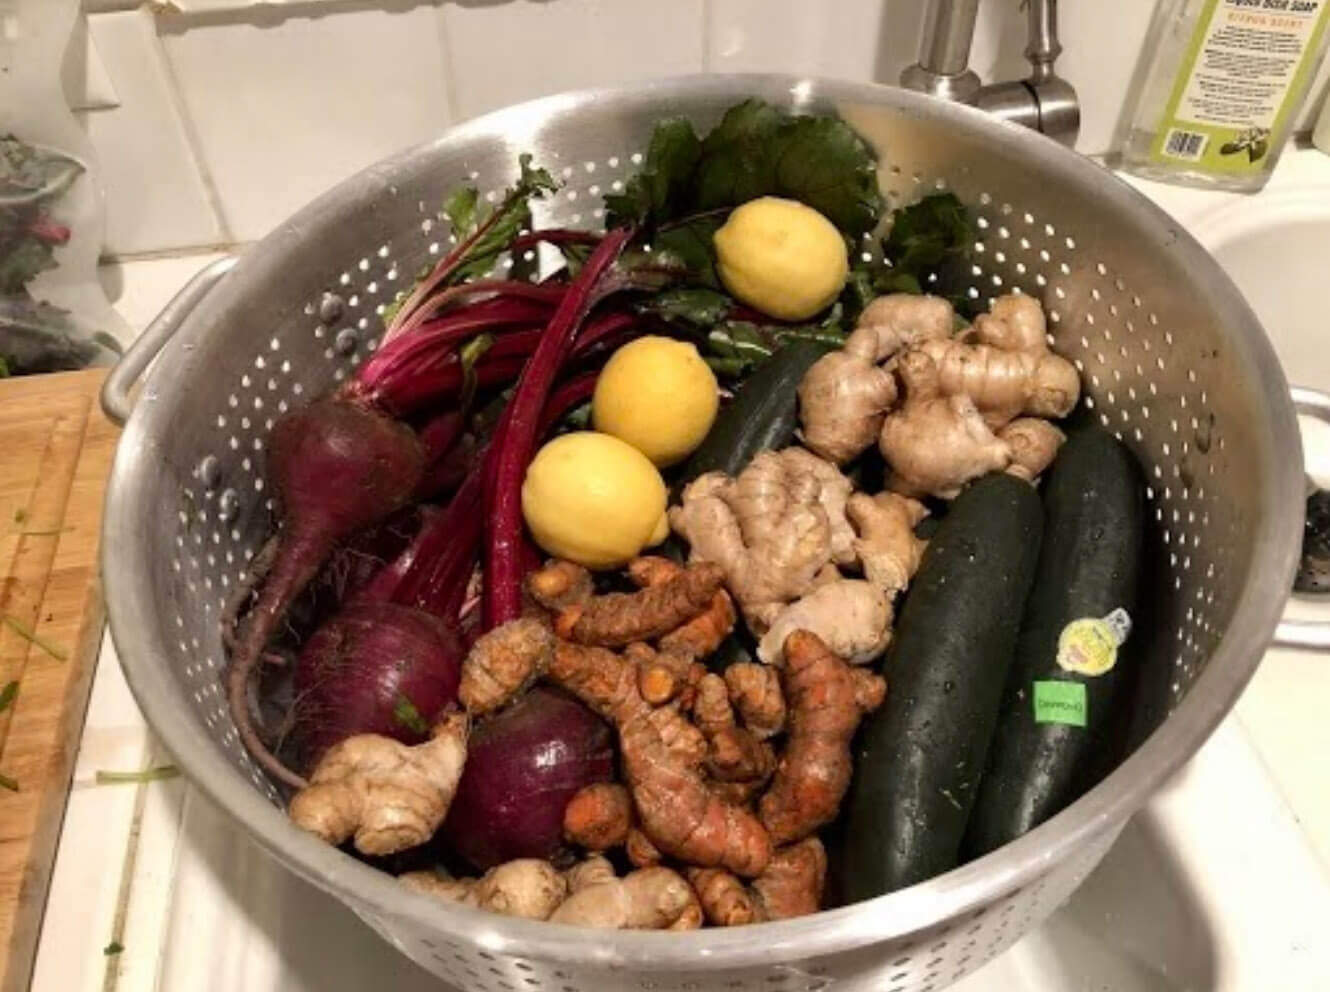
x: 282, y: 100
x: 841, y: 40
x: 512, y: 50
x: 286, y: 106
x: 156, y: 198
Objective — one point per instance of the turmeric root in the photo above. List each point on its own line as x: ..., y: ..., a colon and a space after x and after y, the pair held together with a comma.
x: 888, y: 551
x: 852, y: 616
x: 737, y: 755
x: 646, y: 899
x: 701, y: 635
x: 712, y: 712
x: 823, y: 695
x: 791, y: 886
x: 683, y: 740
x: 844, y: 397
x: 936, y: 443
x: 793, y: 882
x: 503, y: 663
x: 526, y: 887
x: 598, y: 816
x: 559, y: 584
x: 734, y: 754
x: 1034, y: 444
x: 870, y: 689
x: 767, y: 529
x: 681, y: 816
x: 639, y: 849
x: 725, y: 899
x: 617, y: 619
x: 755, y: 693
x: 386, y: 795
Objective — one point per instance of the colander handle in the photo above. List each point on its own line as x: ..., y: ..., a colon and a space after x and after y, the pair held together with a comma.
x: 116, y: 400
x: 1308, y: 635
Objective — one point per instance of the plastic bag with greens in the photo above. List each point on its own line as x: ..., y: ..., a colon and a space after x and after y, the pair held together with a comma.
x: 54, y: 316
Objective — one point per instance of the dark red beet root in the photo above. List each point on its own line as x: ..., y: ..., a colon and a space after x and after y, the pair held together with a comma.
x: 522, y: 767
x: 337, y: 467
x: 374, y: 668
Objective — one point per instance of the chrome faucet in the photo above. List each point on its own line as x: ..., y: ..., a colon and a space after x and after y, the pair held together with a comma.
x: 1043, y: 101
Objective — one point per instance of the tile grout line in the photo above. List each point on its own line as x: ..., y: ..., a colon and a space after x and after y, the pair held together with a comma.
x: 192, y: 143
x: 111, y: 978
x: 449, y: 76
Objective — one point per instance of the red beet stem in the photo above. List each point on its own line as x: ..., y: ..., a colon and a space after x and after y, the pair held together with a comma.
x: 503, y: 570
x: 574, y: 392
x: 545, y: 292
x: 553, y: 236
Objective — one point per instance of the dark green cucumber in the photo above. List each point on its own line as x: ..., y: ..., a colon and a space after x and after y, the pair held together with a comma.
x: 761, y: 417
x: 919, y: 758
x: 1090, y: 566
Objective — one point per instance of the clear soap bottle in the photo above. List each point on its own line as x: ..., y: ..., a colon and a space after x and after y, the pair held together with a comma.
x: 1216, y: 96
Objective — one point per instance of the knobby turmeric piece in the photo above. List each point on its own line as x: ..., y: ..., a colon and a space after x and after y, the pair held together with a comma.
x: 825, y: 699
x: 618, y: 619
x: 678, y: 812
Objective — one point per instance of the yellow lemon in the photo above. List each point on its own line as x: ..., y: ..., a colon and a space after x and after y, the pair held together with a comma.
x: 659, y: 396
x: 594, y: 499
x: 782, y: 257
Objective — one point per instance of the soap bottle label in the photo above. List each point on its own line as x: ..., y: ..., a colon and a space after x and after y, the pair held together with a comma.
x: 1244, y: 67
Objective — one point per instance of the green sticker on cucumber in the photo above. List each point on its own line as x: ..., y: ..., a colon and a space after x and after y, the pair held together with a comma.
x: 1060, y: 702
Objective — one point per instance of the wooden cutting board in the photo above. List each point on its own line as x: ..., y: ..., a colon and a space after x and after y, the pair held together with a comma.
x: 55, y: 456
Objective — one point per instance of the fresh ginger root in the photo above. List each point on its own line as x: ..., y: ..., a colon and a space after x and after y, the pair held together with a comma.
x: 701, y: 635
x: 852, y: 616
x: 503, y: 663
x: 527, y: 887
x: 678, y: 812
x: 387, y: 795
x: 647, y: 899
x: 767, y: 529
x: 1034, y: 444
x: 887, y: 549
x: 936, y: 443
x: 833, y: 491
x: 441, y: 886
x: 755, y: 692
x: 618, y: 619
x: 844, y: 397
x: 791, y: 886
x: 1010, y: 370
x: 825, y: 700
x: 598, y: 816
x: 559, y: 584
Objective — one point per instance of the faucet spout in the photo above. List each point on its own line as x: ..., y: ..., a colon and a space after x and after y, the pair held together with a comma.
x: 1043, y: 100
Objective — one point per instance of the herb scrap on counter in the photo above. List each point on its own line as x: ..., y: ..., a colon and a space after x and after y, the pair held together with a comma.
x: 7, y: 695
x: 155, y: 774
x: 33, y: 638
x: 113, y: 948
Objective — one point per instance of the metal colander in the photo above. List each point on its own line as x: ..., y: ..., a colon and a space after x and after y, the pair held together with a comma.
x: 1172, y: 359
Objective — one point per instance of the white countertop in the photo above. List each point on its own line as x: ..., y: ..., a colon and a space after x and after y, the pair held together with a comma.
x: 196, y: 906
